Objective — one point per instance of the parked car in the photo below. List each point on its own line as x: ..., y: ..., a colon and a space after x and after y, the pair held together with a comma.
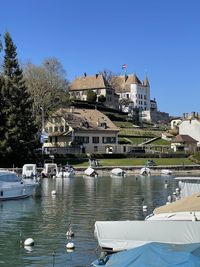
x: 150, y: 162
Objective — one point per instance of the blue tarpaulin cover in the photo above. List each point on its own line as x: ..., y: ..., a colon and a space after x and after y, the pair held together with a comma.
x: 156, y: 255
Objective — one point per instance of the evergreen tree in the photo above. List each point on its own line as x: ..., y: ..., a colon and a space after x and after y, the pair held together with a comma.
x: 20, y: 129
x: 2, y: 116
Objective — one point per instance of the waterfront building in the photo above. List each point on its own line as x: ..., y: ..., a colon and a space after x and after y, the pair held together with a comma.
x: 80, y: 131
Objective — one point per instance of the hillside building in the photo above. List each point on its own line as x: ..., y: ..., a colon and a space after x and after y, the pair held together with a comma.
x: 135, y: 94
x: 98, y: 84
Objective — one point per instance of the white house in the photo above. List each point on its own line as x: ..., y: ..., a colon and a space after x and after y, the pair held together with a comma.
x: 191, y: 126
x: 135, y: 91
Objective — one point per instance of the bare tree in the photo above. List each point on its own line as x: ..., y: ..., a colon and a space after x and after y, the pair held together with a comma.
x: 112, y: 79
x: 47, y: 85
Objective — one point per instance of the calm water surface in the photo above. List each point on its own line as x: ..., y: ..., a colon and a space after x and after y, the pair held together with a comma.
x: 80, y: 201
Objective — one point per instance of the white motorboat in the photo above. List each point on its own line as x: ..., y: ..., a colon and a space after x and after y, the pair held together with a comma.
x: 50, y: 170
x: 166, y: 172
x: 90, y: 172
x: 145, y: 171
x: 14, y: 187
x: 118, y: 172
x: 66, y: 172
x: 29, y: 171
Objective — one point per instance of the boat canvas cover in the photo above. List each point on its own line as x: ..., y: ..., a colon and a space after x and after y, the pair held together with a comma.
x: 121, y: 235
x: 188, y: 204
x: 156, y: 255
x: 89, y: 171
x: 188, y: 188
x: 117, y: 171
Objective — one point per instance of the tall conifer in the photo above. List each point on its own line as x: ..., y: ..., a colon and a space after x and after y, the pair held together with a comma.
x: 20, y: 129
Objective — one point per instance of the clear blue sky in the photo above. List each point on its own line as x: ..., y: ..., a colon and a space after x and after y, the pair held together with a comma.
x: 160, y: 38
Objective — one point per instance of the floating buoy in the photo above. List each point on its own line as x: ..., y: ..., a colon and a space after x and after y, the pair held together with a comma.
x: 29, y: 242
x: 70, y: 245
x: 53, y: 192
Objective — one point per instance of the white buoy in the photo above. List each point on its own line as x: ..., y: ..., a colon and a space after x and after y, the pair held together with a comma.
x: 29, y: 242
x: 70, y: 245
x: 53, y: 192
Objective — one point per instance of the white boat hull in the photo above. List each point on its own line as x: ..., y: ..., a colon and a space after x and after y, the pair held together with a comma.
x: 17, y: 191
x: 65, y: 174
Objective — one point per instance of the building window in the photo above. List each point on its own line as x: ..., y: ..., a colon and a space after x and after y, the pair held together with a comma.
x: 56, y: 139
x: 61, y: 129
x: 50, y: 129
x: 108, y: 140
x: 56, y: 129
x: 95, y: 139
x: 50, y: 139
x: 82, y: 139
x: 95, y: 148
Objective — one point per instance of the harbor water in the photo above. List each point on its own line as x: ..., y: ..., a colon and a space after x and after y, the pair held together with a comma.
x: 79, y: 201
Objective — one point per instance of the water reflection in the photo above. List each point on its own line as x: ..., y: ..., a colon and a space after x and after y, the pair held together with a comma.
x: 80, y: 201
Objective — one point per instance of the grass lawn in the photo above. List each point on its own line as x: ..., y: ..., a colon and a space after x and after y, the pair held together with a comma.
x: 160, y: 142
x: 138, y: 162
